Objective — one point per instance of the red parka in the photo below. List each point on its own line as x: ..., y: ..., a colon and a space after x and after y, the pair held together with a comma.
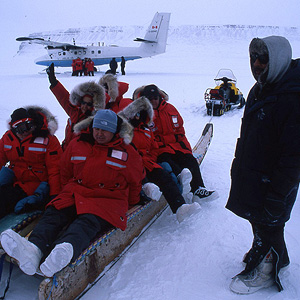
x: 168, y: 130
x: 114, y: 92
x: 33, y: 160
x: 71, y: 104
x: 120, y: 103
x: 100, y: 179
x: 73, y: 111
x: 144, y: 141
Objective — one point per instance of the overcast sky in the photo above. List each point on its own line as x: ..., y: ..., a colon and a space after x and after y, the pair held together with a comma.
x: 21, y: 17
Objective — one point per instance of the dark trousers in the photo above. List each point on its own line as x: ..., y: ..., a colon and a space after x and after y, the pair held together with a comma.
x: 265, y: 238
x: 179, y: 161
x: 80, y: 230
x: 168, y: 187
x: 9, y: 197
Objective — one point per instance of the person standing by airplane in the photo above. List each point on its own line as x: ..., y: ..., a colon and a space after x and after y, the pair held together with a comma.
x: 113, y: 66
x: 123, y: 62
x: 90, y: 67
x: 79, y: 66
x: 83, y: 101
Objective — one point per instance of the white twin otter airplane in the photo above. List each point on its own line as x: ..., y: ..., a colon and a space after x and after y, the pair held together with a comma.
x: 63, y: 54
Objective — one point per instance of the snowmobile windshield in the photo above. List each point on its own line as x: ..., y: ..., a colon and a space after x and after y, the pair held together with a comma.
x: 224, y: 75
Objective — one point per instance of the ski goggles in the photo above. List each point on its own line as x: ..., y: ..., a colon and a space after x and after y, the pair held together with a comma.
x: 90, y: 104
x: 21, y: 127
x: 263, y: 58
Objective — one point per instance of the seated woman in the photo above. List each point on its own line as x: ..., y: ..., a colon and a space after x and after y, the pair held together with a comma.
x: 33, y: 153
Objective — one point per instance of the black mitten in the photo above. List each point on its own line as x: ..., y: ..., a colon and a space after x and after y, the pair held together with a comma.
x: 51, y: 75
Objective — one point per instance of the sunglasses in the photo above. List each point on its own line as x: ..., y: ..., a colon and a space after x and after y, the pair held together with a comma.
x: 263, y: 58
x: 23, y: 127
x: 90, y: 104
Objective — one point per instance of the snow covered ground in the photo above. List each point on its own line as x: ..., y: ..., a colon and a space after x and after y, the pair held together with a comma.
x: 197, y: 258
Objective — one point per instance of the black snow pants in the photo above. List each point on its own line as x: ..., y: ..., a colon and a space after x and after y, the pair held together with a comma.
x: 80, y: 230
x: 267, y: 238
x: 168, y: 187
x: 9, y: 197
x: 179, y: 161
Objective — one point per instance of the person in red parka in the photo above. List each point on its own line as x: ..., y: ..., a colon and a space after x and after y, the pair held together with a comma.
x: 84, y: 100
x: 101, y: 176
x: 90, y: 67
x: 140, y: 114
x: 173, y: 146
x: 114, y: 92
x: 32, y: 153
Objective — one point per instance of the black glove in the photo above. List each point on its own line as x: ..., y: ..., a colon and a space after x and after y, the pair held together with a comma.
x: 51, y: 75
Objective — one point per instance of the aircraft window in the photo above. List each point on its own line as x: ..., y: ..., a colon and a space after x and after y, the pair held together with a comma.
x: 79, y: 52
x: 93, y: 51
x: 84, y: 52
x: 59, y: 53
x: 64, y: 53
x: 75, y: 52
x: 99, y: 51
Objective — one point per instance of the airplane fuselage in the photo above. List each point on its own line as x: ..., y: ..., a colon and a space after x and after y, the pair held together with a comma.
x: 100, y: 55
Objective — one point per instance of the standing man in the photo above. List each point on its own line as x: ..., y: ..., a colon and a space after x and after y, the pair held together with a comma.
x: 265, y: 172
x: 123, y: 62
x: 113, y: 66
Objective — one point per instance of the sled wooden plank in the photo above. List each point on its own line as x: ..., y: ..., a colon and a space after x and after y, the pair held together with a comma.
x: 203, y: 143
x: 72, y: 280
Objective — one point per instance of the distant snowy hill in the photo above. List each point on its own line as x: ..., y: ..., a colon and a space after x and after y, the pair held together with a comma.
x: 124, y: 35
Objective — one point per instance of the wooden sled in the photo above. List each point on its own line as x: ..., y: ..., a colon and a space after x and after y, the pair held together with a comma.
x: 72, y: 280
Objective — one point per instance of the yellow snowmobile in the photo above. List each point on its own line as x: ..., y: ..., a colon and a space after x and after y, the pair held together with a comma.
x: 225, y: 95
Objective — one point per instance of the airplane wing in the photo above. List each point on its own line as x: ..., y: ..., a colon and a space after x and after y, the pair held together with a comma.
x: 49, y: 43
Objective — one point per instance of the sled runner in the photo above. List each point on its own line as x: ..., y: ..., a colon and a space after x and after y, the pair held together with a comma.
x: 203, y: 143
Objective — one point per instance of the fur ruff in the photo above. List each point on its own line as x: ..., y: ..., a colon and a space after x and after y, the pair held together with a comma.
x: 52, y: 122
x: 112, y: 84
x: 137, y: 93
x: 90, y: 88
x: 138, y: 105
x: 126, y: 130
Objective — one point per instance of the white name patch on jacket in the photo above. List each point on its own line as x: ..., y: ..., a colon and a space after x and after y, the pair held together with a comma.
x: 175, y: 121
x: 121, y: 155
x: 41, y: 141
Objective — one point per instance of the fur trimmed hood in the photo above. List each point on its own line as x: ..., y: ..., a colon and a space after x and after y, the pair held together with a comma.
x: 125, y: 130
x: 112, y: 84
x: 136, y: 106
x: 42, y: 117
x: 89, y: 88
x: 139, y: 92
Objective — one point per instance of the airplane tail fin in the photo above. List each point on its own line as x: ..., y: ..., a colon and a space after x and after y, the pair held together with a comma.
x: 155, y: 40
